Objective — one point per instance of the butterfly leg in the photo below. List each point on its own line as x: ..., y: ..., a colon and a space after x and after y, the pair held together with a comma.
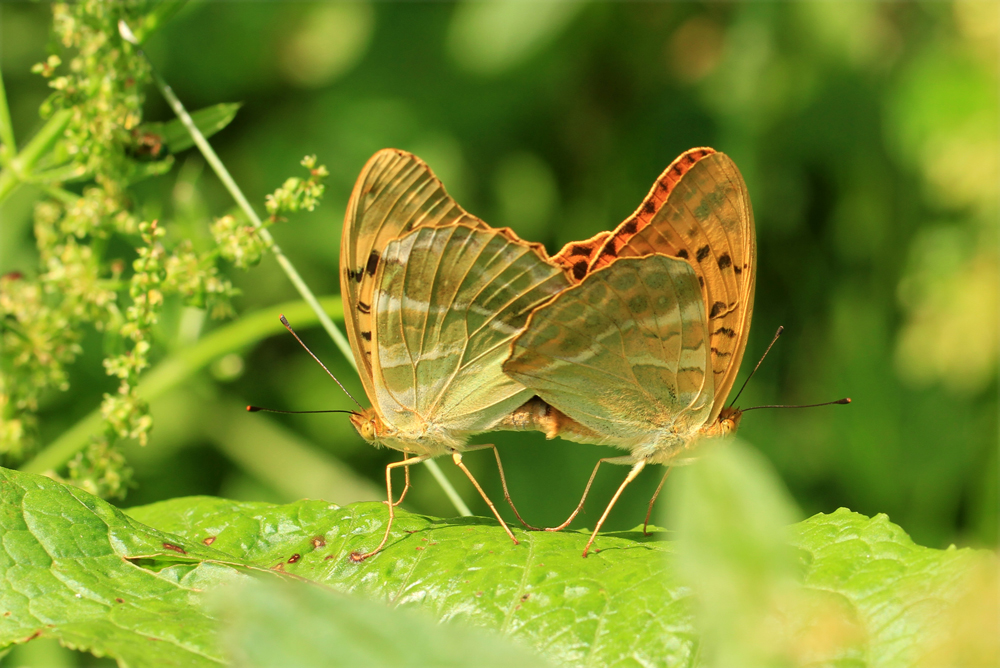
x: 586, y: 490
x: 639, y: 466
x: 457, y: 458
x: 503, y: 483
x: 407, y: 462
x: 649, y: 511
x: 406, y: 485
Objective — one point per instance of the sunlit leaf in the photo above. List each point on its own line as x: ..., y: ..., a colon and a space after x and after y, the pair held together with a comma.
x: 83, y: 572
x: 269, y: 623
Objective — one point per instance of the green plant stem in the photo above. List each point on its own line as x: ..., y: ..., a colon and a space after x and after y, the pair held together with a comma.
x: 40, y: 144
x: 446, y: 485
x: 180, y: 366
x: 6, y: 127
x: 227, y: 180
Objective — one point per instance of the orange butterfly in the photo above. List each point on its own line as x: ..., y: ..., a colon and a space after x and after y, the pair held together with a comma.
x: 642, y: 352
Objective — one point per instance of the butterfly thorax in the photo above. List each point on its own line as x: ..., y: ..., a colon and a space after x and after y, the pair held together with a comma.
x: 424, y: 441
x: 677, y: 446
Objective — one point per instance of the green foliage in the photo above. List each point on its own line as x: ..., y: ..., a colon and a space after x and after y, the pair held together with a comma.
x: 860, y: 592
x: 267, y: 624
x: 176, y: 137
x: 95, y: 136
x: 866, y: 135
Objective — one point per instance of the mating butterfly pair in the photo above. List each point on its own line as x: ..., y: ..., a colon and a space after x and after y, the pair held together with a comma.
x: 632, y: 338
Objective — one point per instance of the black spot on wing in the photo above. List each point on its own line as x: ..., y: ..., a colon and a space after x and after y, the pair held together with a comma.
x: 579, y: 269
x: 372, y: 263
x: 715, y: 351
x: 724, y: 261
x: 367, y: 336
x: 701, y: 281
x: 630, y: 227
x: 737, y: 269
x: 354, y: 275
x: 682, y: 253
x: 703, y: 253
x: 579, y: 250
x: 649, y: 206
x: 717, y: 308
x: 725, y: 331
x: 364, y: 308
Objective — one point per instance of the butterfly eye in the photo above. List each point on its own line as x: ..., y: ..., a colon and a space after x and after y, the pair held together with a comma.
x: 368, y: 430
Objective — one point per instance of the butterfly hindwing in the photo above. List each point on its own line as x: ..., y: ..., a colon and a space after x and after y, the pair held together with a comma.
x: 699, y: 210
x: 624, y: 352
x: 395, y: 193
x: 449, y: 302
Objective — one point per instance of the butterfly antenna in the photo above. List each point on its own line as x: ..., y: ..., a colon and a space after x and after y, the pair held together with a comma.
x: 845, y: 400
x: 776, y: 335
x: 289, y: 328
x: 255, y: 409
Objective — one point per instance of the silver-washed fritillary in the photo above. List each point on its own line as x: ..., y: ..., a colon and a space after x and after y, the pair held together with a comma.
x: 433, y: 298
x: 643, y: 351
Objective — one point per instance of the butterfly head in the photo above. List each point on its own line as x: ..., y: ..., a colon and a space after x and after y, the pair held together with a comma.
x: 368, y: 424
x: 728, y: 421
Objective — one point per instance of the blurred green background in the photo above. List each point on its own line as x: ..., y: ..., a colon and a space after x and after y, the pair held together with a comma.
x: 868, y: 136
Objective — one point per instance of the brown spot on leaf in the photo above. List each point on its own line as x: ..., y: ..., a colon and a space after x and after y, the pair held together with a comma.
x: 209, y: 540
x: 119, y: 600
x: 175, y: 548
x: 526, y: 597
x: 295, y: 557
x: 318, y: 542
x: 278, y: 567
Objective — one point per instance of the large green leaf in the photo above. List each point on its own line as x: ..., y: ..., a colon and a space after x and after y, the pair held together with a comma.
x: 271, y: 624
x: 77, y: 569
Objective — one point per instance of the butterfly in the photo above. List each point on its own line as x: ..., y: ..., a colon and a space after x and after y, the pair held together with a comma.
x: 641, y: 353
x: 433, y: 298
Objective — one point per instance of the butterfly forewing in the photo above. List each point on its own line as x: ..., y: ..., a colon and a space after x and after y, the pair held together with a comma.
x: 395, y: 193
x: 449, y: 302
x: 624, y: 353
x: 699, y: 210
